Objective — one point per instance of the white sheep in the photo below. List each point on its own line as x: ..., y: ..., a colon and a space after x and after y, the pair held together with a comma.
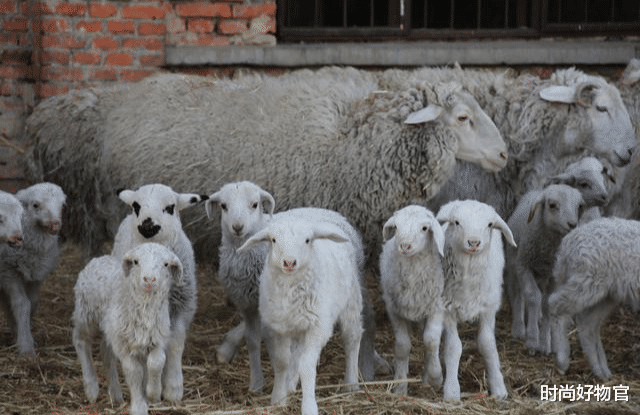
x: 23, y: 270
x: 473, y: 266
x: 11, y: 211
x: 542, y: 218
x: 412, y: 283
x: 129, y: 301
x: 155, y: 217
x: 596, y: 269
x: 309, y: 282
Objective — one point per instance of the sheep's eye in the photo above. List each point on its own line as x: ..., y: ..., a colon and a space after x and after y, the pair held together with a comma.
x: 584, y: 185
x: 166, y: 264
x: 456, y: 223
x: 169, y: 209
x: 553, y: 205
x: 273, y: 240
x: 307, y: 241
x: 135, y: 262
x: 463, y: 118
x: 136, y: 208
x: 424, y: 228
x: 254, y: 206
x: 491, y: 224
x: 36, y: 205
x: 223, y: 206
x: 601, y: 108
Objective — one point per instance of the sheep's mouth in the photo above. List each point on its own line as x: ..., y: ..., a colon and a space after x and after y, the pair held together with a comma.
x: 16, y: 243
x: 473, y: 251
x: 149, y: 287
x: 148, y: 231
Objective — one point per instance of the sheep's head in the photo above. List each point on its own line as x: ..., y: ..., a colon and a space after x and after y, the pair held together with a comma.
x: 631, y: 74
x: 156, y: 210
x: 292, y: 243
x: 479, y: 140
x: 152, y: 268
x: 469, y: 226
x: 42, y: 204
x: 560, y: 207
x: 415, y: 230
x: 242, y: 206
x: 609, y: 132
x: 588, y: 176
x: 11, y: 211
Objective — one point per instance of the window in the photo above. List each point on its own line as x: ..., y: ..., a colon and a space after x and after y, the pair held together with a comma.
x: 324, y: 20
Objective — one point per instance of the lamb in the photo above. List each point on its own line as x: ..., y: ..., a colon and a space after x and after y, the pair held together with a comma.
x: 551, y: 213
x: 155, y: 217
x: 23, y: 270
x: 128, y: 301
x: 412, y: 283
x: 309, y: 282
x: 11, y: 211
x: 406, y: 142
x: 596, y: 269
x: 473, y: 265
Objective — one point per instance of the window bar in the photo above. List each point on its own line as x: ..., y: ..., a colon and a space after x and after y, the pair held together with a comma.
x: 453, y: 8
x: 371, y: 14
x: 316, y: 14
x: 613, y: 11
x: 426, y: 13
x: 479, y: 14
x: 506, y: 14
x: 344, y: 13
x: 560, y: 12
x: 586, y: 11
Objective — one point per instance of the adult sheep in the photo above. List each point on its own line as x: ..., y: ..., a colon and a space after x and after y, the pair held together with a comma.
x: 322, y: 138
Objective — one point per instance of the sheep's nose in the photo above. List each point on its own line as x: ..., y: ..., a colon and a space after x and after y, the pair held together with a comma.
x: 148, y: 229
x: 473, y: 244
x: 55, y: 225
x: 504, y: 155
x: 405, y: 247
x: 148, y: 279
x: 15, y: 240
x: 237, y: 228
x: 289, y: 264
x: 572, y: 225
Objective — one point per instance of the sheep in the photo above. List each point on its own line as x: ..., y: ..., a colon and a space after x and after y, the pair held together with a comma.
x: 588, y: 176
x: 597, y: 268
x: 412, y: 283
x: 23, y: 270
x: 11, y: 211
x: 405, y: 141
x: 543, y: 218
x: 309, y: 282
x: 155, y: 217
x: 128, y: 301
x: 473, y: 264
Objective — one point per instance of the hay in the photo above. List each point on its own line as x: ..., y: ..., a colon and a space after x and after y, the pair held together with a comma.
x: 52, y: 383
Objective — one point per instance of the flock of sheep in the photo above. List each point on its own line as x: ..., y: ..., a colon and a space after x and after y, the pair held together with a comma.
x: 355, y: 163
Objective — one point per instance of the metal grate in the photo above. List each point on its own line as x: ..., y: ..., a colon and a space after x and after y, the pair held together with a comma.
x: 321, y: 20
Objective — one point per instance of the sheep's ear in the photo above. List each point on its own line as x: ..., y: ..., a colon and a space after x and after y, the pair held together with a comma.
x: 127, y: 196
x: 429, y: 113
x: 585, y: 92
x: 444, y: 214
x: 389, y: 229
x: 499, y: 223
x: 190, y: 199
x: 175, y: 268
x: 559, y: 93
x: 438, y: 236
x: 127, y: 264
x: 537, y: 205
x: 267, y: 201
x: 208, y: 206
x: 609, y: 175
x: 330, y: 232
x: 259, y: 237
x: 632, y: 77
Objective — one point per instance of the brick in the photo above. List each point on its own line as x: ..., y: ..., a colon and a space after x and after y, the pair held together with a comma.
x: 59, y: 57
x: 9, y: 88
x: 52, y: 25
x: 120, y: 59
x: 142, y: 12
x: 9, y: 39
x: 200, y: 25
x: 254, y: 10
x: 64, y: 41
x: 8, y: 6
x: 263, y: 25
x: 90, y: 26
x: 203, y: 9
x: 120, y: 26
x: 232, y: 27
x: 71, y: 9
x: 16, y: 24
x: 103, y: 74
x: 192, y: 39
x: 54, y: 73
x: 105, y: 43
x: 138, y: 43
x: 19, y: 56
x: 152, y: 60
x: 12, y: 71
x: 134, y: 75
x: 87, y: 58
x: 38, y: 8
x: 46, y: 90
x: 152, y: 29
x: 102, y: 10
x: 175, y: 24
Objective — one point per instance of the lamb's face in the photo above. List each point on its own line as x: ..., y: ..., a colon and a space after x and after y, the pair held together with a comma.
x: 42, y: 205
x: 561, y: 207
x: 151, y: 269
x: 588, y: 176
x: 10, y: 220
x: 415, y: 230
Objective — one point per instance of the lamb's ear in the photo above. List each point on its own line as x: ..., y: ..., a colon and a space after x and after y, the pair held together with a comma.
x: 175, y: 268
x: 330, y: 232
x: 259, y: 237
x: 438, y: 236
x: 389, y: 229
x: 499, y: 223
x: 127, y: 196
x: 190, y: 199
x: 538, y: 204
x: 428, y: 113
x: 445, y: 212
x: 127, y: 264
x: 585, y: 92
x: 208, y: 206
x: 559, y: 93
x: 267, y: 201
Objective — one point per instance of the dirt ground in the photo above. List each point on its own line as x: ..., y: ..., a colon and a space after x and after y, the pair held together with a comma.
x: 52, y: 383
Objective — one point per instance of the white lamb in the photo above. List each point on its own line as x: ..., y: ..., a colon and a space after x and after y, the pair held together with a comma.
x: 134, y: 317
x: 10, y: 220
x: 23, y: 270
x: 309, y: 282
x: 596, y: 269
x: 156, y: 218
x: 473, y: 266
x: 412, y: 283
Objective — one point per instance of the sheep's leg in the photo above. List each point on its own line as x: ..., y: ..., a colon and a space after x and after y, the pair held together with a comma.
x: 560, y: 342
x: 351, y: 330
x: 401, y: 351
x: 280, y: 360
x: 369, y: 360
x: 111, y: 366
x: 21, y: 310
x: 134, y: 374
x: 6, y: 306
x: 82, y: 338
x: 155, y: 364
x: 516, y: 300
x: 253, y: 335
x: 545, y: 329
x: 452, y: 353
x: 489, y: 350
x: 33, y: 293
x: 432, y: 372
x: 533, y: 298
x: 172, y: 387
x: 231, y: 342
x: 589, y: 325
x: 313, y: 343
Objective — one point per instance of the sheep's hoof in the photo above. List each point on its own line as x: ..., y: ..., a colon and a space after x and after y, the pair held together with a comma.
x: 225, y: 353
x: 354, y: 387
x: 29, y: 355
x: 382, y: 367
